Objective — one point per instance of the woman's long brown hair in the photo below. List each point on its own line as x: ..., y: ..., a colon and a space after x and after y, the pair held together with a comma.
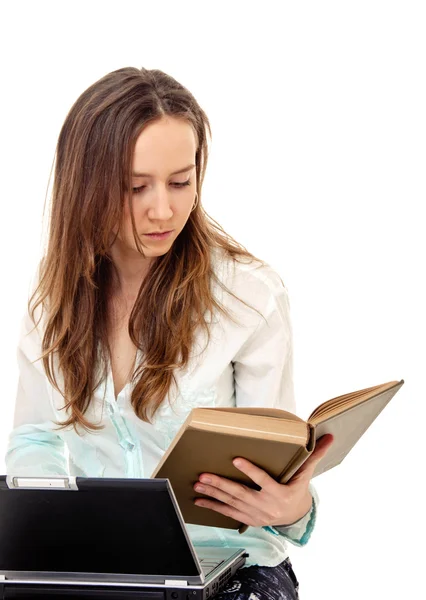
x: 93, y: 164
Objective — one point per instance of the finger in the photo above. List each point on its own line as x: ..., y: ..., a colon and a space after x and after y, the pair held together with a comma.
x: 322, y: 445
x: 228, y: 511
x: 259, y: 476
x: 237, y: 501
x: 321, y: 448
x: 224, y: 489
x: 246, y: 496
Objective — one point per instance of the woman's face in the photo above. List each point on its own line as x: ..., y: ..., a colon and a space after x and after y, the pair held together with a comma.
x: 163, y: 187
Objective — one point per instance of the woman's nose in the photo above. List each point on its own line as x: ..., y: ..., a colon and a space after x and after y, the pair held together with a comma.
x: 160, y: 206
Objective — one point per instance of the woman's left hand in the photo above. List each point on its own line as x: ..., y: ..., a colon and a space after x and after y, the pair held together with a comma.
x: 274, y: 504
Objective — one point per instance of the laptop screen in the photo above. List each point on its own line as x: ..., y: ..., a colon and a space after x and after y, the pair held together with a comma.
x: 124, y: 526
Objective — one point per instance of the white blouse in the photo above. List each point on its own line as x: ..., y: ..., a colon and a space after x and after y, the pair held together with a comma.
x: 245, y: 363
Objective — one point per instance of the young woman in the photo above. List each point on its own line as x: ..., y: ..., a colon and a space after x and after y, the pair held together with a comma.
x: 143, y: 308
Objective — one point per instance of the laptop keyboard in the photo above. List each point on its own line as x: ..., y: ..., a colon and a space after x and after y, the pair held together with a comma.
x: 209, y: 564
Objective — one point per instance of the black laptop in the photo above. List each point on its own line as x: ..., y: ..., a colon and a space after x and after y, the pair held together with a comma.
x: 68, y: 537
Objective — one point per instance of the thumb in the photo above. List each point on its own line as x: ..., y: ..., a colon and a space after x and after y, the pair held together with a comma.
x: 306, y: 471
x: 322, y: 447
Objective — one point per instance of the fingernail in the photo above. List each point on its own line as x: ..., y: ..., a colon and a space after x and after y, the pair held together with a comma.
x: 199, y: 488
x: 205, y: 479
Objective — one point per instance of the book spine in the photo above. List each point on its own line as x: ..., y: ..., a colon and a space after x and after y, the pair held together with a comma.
x: 300, y: 457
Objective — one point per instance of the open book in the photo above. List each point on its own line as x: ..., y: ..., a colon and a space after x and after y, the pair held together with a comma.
x: 275, y: 440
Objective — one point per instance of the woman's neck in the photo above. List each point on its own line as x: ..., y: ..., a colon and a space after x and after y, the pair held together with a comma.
x: 131, y: 268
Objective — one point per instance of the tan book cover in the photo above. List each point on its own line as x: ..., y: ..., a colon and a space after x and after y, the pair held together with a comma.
x: 275, y: 440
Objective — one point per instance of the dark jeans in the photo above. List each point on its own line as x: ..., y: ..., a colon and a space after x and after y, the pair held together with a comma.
x: 262, y: 583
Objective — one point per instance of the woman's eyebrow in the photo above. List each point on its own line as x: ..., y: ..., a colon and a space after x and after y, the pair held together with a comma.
x: 174, y: 172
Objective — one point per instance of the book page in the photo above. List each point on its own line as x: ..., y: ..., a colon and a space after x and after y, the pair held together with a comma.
x: 260, y: 411
x: 339, y: 404
x: 349, y: 426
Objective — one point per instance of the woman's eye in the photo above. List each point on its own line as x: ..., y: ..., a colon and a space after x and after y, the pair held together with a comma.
x: 138, y: 190
x: 182, y: 184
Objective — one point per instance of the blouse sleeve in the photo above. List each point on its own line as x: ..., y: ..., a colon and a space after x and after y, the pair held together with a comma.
x: 263, y: 373
x: 298, y: 533
x: 34, y: 448
x: 263, y: 367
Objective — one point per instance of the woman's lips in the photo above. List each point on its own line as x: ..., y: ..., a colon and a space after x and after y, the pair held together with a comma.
x: 159, y: 236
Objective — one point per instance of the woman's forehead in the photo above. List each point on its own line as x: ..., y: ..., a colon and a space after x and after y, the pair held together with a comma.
x: 164, y: 148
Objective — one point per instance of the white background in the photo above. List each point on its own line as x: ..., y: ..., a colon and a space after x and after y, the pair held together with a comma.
x: 317, y: 166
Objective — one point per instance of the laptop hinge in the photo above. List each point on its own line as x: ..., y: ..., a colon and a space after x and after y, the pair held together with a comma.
x: 176, y: 582
x: 42, y: 483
